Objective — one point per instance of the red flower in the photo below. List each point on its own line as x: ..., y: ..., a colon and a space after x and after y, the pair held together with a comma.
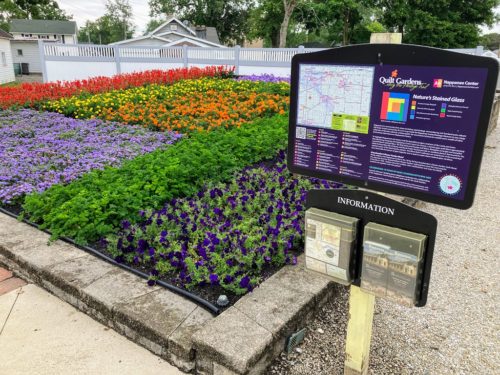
x: 32, y: 94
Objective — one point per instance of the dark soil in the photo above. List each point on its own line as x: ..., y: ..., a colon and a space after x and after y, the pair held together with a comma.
x: 209, y: 293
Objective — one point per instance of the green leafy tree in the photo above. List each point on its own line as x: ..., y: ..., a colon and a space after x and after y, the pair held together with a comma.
x: 229, y: 17
x: 339, y: 22
x: 490, y: 41
x: 316, y: 22
x: 265, y: 22
x: 153, y: 23
x: 30, y: 9
x: 439, y: 23
x: 272, y: 20
x: 115, y: 25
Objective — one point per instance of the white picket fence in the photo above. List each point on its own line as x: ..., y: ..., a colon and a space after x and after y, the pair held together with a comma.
x: 63, y: 62
x: 67, y: 62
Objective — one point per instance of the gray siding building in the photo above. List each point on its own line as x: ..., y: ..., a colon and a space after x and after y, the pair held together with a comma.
x: 27, y: 33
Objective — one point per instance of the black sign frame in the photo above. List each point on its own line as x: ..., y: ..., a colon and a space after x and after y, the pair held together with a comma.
x: 392, y: 54
x: 404, y: 217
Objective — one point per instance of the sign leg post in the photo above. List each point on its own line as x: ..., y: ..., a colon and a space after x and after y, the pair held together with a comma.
x: 359, y: 332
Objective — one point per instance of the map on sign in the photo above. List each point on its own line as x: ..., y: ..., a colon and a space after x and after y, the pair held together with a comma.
x: 335, y: 97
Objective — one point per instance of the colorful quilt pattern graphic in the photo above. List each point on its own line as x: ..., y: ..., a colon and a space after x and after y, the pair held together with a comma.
x: 394, y: 106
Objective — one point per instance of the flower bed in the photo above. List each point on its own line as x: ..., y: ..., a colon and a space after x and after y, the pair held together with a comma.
x: 94, y: 205
x: 39, y: 150
x: 32, y: 94
x: 189, y: 105
x: 226, y: 235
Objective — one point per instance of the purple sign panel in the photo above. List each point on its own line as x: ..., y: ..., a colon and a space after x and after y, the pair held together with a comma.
x: 410, y: 127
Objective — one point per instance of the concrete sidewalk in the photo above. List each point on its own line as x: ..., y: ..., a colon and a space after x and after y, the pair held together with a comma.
x: 41, y: 334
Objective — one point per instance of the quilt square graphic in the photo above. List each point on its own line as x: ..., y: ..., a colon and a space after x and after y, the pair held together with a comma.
x: 394, y: 106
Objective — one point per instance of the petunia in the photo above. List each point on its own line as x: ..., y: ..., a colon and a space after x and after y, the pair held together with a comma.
x: 214, y: 279
x: 244, y: 282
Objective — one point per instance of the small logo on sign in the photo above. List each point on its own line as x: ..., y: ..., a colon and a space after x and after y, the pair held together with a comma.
x: 450, y: 184
x: 438, y: 83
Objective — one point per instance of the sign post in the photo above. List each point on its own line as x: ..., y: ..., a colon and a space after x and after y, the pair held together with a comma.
x: 399, y: 119
x: 359, y: 331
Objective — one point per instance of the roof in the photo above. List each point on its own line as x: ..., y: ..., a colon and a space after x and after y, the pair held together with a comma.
x: 43, y: 27
x: 169, y: 20
x: 187, y: 40
x: 5, y: 35
x: 204, y: 41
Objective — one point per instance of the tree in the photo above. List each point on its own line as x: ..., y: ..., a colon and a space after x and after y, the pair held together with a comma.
x: 229, y: 17
x: 30, y: 9
x: 315, y: 22
x: 490, y: 41
x: 115, y: 25
x: 339, y: 22
x: 271, y: 20
x: 153, y: 24
x: 438, y: 23
x: 265, y: 22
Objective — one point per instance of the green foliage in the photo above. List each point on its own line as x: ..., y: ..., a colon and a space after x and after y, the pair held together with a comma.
x: 321, y: 22
x: 438, y: 23
x: 30, y: 9
x: 265, y: 21
x: 490, y: 41
x: 115, y: 25
x: 94, y: 206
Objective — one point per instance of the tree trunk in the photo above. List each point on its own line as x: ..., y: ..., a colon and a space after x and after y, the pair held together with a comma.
x: 284, y: 31
x: 275, y: 39
x: 289, y: 6
x: 345, y: 38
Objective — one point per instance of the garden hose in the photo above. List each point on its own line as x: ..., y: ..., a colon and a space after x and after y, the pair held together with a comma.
x: 193, y: 297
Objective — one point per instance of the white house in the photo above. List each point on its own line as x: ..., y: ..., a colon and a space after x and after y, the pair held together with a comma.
x: 27, y: 33
x: 6, y: 66
x: 174, y: 33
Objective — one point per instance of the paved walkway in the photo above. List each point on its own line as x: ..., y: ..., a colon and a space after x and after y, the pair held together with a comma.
x: 41, y: 334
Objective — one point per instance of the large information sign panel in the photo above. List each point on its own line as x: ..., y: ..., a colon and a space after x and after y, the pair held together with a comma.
x: 403, y: 119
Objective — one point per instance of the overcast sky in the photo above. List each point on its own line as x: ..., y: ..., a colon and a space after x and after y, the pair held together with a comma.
x: 83, y: 10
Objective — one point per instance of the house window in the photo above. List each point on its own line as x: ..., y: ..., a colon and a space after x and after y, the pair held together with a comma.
x: 19, y: 52
x: 173, y: 27
x: 4, y: 59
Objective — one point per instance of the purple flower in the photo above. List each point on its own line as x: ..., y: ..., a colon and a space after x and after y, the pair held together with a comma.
x: 214, y: 279
x: 244, y: 282
x: 264, y: 78
x: 142, y: 244
x: 253, y: 224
